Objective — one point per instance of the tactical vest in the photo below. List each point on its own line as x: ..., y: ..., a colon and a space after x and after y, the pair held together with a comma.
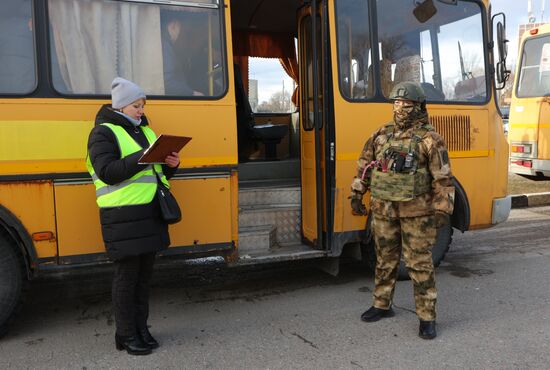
x: 140, y: 188
x: 397, y: 177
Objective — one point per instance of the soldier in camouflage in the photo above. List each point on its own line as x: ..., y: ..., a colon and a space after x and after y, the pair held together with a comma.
x: 405, y: 165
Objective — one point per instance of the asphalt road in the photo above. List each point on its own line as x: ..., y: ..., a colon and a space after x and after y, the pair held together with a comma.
x: 493, y: 313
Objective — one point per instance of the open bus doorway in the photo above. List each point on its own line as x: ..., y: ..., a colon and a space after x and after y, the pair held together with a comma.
x: 277, y: 199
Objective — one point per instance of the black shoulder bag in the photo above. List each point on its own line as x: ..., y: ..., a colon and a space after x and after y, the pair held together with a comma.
x: 169, y: 207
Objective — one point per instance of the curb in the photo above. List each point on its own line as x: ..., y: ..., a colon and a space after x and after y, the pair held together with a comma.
x: 530, y: 200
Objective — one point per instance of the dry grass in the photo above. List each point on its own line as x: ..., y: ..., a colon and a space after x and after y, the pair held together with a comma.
x: 521, y: 185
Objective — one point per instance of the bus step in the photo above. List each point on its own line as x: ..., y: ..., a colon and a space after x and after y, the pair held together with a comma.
x: 256, y: 238
x: 287, y: 253
x: 264, y: 170
x: 285, y: 217
x: 269, y: 196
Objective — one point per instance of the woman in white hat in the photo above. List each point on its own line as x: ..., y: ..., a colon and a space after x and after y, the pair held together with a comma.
x: 131, y: 222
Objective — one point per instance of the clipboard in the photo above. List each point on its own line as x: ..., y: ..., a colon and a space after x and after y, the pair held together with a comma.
x: 162, y: 147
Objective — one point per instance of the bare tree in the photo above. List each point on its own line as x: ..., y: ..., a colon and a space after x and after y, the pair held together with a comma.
x: 279, y: 102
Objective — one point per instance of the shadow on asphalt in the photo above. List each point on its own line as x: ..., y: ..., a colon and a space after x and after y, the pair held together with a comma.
x: 85, y: 292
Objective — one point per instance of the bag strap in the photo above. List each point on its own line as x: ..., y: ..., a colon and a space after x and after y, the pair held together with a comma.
x: 159, y: 180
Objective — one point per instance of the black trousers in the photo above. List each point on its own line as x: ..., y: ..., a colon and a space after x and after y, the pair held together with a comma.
x: 131, y: 293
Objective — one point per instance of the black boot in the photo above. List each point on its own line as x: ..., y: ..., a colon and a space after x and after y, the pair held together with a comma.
x: 132, y: 344
x: 375, y: 314
x: 427, y: 330
x: 148, y: 338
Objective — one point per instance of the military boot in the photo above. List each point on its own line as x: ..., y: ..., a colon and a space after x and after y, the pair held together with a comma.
x: 427, y: 330
x: 375, y: 314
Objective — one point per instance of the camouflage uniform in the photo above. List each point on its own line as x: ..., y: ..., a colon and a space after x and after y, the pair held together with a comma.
x: 408, y: 225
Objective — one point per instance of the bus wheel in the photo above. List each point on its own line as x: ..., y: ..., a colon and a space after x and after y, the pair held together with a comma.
x: 12, y: 280
x: 442, y: 243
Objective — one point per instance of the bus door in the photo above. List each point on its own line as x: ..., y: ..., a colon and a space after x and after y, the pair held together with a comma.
x: 544, y: 101
x: 311, y: 124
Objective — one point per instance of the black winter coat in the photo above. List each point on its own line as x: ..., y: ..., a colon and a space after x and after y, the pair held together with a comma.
x: 130, y: 230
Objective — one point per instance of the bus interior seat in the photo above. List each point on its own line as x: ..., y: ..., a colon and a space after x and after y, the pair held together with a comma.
x: 245, y: 118
x: 364, y: 88
x: 432, y: 92
x: 385, y: 76
x: 408, y: 69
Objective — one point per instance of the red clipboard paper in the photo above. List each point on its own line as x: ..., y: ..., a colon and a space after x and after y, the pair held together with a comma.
x: 162, y: 147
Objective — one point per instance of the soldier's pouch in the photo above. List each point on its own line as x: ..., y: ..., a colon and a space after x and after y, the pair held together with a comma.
x: 400, y: 187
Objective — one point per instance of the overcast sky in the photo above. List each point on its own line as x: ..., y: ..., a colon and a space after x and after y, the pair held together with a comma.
x: 271, y: 76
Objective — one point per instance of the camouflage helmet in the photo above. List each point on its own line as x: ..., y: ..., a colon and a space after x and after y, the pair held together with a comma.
x: 408, y: 91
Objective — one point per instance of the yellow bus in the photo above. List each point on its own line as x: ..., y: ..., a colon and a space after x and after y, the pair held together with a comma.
x: 529, y: 122
x: 254, y: 186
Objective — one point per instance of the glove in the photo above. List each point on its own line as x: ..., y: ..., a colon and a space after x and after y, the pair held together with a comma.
x: 357, y: 207
x: 441, y: 219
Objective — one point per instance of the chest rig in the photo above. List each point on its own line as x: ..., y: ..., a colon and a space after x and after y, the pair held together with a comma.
x: 398, y: 177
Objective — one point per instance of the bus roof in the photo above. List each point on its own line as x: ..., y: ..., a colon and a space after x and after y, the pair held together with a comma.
x: 540, y: 30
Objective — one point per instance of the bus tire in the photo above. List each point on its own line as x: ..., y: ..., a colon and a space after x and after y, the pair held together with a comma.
x: 442, y: 243
x: 13, y: 280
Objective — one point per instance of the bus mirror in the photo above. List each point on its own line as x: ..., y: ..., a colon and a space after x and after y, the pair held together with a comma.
x: 502, y: 72
x: 424, y: 11
x: 502, y: 43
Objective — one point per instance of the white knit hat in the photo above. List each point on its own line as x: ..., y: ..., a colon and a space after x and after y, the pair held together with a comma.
x: 124, y: 92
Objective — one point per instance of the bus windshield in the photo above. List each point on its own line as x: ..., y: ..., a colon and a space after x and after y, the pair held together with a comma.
x: 534, y: 75
x: 445, y: 54
x: 169, y: 50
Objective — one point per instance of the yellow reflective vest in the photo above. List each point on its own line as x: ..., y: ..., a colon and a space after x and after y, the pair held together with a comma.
x: 138, y: 189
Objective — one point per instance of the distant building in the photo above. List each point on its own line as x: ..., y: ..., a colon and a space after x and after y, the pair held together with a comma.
x: 253, y: 93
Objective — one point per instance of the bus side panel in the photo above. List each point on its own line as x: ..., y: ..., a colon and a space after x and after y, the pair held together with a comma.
x: 37, y: 214
x: 474, y: 166
x: 212, y: 125
x: 477, y: 175
x: 78, y: 227
x: 30, y: 145
x: 41, y: 136
x: 205, y: 205
x: 206, y: 210
x: 524, y: 116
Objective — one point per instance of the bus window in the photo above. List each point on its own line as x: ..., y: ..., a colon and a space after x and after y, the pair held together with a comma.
x: 444, y: 54
x: 17, y: 57
x: 270, y: 88
x: 168, y: 50
x: 306, y: 66
x: 534, y: 78
x: 354, y: 54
